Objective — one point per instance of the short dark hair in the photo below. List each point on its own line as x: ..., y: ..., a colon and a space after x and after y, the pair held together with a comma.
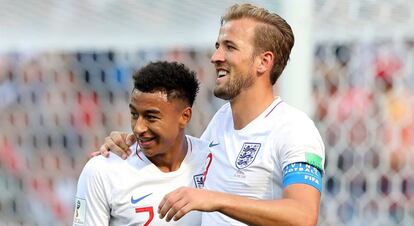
x: 173, y: 78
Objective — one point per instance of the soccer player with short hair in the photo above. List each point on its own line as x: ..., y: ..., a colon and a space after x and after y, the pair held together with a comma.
x: 116, y: 192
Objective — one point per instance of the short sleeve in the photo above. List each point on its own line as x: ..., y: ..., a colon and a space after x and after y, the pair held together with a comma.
x: 302, y: 143
x: 91, y: 204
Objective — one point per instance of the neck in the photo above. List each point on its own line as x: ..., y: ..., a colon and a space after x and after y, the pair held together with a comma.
x: 172, y: 159
x: 249, y: 104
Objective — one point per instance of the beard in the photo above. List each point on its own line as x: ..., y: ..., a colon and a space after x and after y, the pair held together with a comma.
x: 233, y: 87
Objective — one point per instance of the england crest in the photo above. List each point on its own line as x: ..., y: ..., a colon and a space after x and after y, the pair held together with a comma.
x: 247, y: 155
x: 199, y: 180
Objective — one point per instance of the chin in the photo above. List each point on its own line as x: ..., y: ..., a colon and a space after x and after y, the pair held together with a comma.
x: 220, y: 93
x: 223, y: 95
x: 147, y: 152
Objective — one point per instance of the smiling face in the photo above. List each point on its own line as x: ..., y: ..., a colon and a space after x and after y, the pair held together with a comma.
x: 158, y: 123
x: 234, y: 58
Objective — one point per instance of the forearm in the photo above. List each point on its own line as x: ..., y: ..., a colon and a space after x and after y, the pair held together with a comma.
x: 266, y: 212
x: 298, y: 206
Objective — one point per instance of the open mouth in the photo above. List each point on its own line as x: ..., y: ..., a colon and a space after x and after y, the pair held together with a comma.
x: 221, y: 73
x: 145, y: 141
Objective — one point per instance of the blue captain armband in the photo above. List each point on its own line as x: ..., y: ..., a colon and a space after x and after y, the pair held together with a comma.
x: 302, y: 173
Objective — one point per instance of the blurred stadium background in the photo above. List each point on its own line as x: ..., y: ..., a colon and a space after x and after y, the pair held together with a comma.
x: 65, y: 78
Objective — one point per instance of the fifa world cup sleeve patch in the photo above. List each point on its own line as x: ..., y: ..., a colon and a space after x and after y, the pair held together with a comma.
x: 80, y: 212
x: 302, y: 173
x: 314, y: 160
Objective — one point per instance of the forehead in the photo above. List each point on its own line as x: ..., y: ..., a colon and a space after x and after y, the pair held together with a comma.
x: 142, y: 99
x: 239, y: 28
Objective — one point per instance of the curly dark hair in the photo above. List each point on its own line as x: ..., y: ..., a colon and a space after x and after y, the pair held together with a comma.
x: 173, y: 78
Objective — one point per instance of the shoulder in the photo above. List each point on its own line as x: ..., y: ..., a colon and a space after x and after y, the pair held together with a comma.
x: 198, y: 146
x: 218, y: 121
x: 293, y: 119
x: 224, y: 111
x: 292, y: 112
x: 200, y: 150
x: 104, y: 162
x: 100, y: 173
x: 298, y: 138
x: 99, y: 166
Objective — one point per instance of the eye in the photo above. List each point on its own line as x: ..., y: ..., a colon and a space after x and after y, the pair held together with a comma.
x: 134, y: 115
x: 152, y: 118
x: 231, y: 47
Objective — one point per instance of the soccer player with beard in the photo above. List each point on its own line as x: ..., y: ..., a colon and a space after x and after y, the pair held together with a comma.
x: 116, y: 192
x: 268, y: 156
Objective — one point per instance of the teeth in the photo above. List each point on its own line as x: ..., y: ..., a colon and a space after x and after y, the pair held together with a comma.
x: 145, y: 139
x: 221, y: 73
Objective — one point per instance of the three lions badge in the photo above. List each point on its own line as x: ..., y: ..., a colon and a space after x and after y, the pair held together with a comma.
x: 247, y: 154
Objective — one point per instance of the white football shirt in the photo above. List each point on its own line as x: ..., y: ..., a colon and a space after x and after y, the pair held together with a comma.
x: 112, y: 191
x: 249, y: 162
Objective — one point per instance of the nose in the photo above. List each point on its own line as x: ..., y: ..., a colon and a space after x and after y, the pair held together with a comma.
x: 217, y: 56
x: 140, y: 126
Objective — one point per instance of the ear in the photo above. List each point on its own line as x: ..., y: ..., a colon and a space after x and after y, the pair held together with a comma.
x: 185, y: 117
x: 265, y: 62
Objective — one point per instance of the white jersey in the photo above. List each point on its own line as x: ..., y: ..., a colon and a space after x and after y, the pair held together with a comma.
x: 249, y: 162
x: 112, y: 191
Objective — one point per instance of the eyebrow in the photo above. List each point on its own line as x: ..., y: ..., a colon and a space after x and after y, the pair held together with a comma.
x: 150, y: 111
x: 226, y: 42
x: 153, y: 111
x: 229, y: 42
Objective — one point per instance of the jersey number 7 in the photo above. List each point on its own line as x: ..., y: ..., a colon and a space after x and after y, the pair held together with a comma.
x: 148, y: 209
